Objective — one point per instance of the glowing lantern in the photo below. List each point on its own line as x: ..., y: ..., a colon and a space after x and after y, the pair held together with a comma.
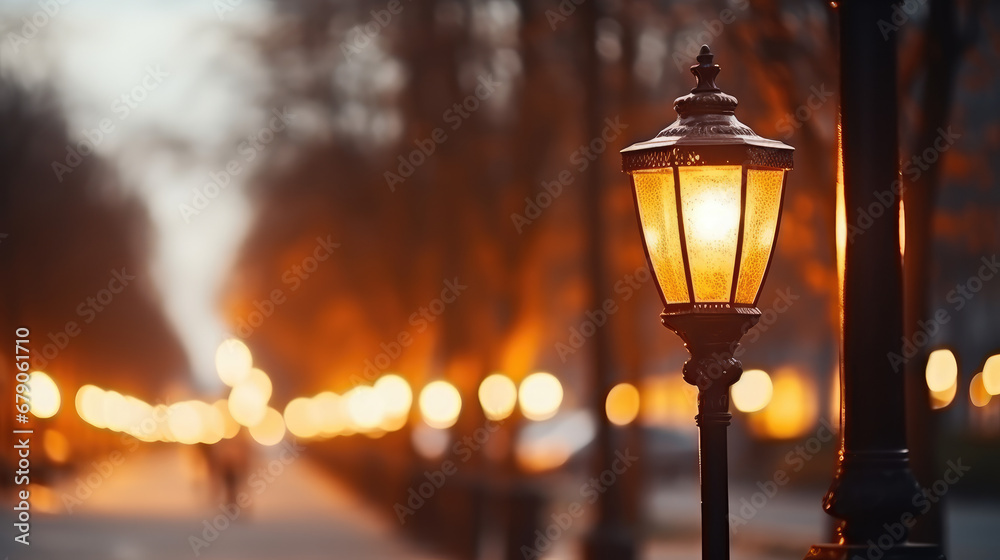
x: 708, y: 194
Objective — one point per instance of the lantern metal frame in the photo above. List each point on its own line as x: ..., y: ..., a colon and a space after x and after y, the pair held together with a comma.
x: 707, y: 133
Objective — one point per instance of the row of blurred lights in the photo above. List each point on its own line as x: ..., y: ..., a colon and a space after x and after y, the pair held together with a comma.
x: 942, y: 379
x: 779, y: 408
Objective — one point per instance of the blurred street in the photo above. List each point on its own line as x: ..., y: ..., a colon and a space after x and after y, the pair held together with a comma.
x: 154, y: 502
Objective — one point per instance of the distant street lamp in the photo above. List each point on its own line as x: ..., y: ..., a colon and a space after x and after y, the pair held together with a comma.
x: 708, y: 194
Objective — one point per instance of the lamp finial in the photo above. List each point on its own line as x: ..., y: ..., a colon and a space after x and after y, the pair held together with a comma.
x: 705, y: 71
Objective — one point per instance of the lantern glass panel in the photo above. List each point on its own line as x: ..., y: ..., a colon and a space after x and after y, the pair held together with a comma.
x: 710, y: 205
x: 657, y: 202
x: 762, y: 206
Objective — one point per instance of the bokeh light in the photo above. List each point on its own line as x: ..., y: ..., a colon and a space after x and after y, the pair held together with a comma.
x: 233, y: 361
x: 942, y: 370
x: 991, y: 375
x: 622, y: 404
x: 89, y: 405
x: 44, y: 397
x: 56, y: 446
x: 793, y: 408
x: 397, y: 398
x: 247, y: 404
x: 941, y: 375
x: 440, y: 404
x: 753, y: 391
x: 261, y: 381
x: 540, y: 395
x: 185, y: 422
x: 299, y: 418
x: 497, y: 396
x: 230, y: 427
x: 328, y: 407
x: 270, y: 430
x: 977, y: 391
x: 364, y: 408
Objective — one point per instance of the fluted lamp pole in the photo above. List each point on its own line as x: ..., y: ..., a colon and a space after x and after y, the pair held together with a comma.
x: 708, y: 194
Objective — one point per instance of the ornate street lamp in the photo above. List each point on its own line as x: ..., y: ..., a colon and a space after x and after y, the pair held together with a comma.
x: 708, y: 195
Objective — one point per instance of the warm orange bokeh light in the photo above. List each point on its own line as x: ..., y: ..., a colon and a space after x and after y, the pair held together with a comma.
x: 793, y: 409
x: 753, y: 391
x: 233, y: 361
x: 622, y: 404
x: 991, y: 375
x: 497, y: 396
x: 540, y: 395
x: 270, y: 430
x: 978, y: 394
x: 942, y: 370
x: 44, y: 398
x: 440, y: 404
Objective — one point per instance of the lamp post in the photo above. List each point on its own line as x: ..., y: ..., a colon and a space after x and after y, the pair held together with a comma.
x: 874, y: 494
x: 708, y: 194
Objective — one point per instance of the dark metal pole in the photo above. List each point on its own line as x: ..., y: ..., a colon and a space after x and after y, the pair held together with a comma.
x: 873, y: 491
x: 711, y: 340
x: 713, y: 420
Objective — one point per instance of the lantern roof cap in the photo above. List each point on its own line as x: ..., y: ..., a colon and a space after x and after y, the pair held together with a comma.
x: 706, y: 131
